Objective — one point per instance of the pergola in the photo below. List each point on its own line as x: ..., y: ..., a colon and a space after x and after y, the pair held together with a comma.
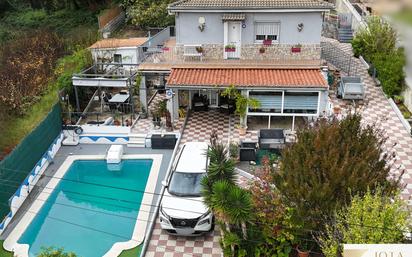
x: 106, y: 75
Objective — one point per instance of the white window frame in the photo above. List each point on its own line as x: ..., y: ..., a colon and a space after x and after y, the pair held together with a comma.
x: 275, y: 23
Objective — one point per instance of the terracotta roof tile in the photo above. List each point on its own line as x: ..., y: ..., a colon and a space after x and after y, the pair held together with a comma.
x: 296, y: 78
x: 119, y: 42
x: 250, y: 4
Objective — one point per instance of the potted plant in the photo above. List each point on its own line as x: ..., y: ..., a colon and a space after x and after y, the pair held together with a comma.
x: 296, y: 48
x: 143, y: 114
x: 242, y: 103
x: 156, y: 119
x: 199, y: 49
x: 303, y: 249
x: 230, y: 48
x: 398, y: 99
x: 262, y: 50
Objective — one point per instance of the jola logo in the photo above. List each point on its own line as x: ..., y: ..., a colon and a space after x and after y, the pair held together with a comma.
x: 388, y: 254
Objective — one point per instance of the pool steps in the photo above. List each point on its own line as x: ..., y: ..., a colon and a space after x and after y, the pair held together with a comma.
x: 137, y: 140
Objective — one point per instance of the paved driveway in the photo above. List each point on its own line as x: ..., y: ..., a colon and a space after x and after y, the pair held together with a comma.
x: 377, y: 110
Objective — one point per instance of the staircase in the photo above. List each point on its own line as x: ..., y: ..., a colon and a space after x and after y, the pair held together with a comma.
x: 345, y: 35
x: 137, y: 140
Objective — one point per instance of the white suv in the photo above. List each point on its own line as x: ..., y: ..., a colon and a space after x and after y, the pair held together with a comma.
x: 182, y: 210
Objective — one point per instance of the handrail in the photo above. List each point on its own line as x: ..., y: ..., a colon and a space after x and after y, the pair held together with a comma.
x: 156, y: 211
x: 87, y: 107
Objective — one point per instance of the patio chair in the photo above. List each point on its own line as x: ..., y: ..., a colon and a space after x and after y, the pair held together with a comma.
x: 271, y: 138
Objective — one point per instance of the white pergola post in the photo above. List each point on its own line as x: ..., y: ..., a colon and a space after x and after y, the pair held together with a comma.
x: 143, y: 93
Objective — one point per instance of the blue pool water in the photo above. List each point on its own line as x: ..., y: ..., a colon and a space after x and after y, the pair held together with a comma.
x: 89, y: 210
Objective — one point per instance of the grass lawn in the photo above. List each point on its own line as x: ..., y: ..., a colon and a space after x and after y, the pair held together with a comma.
x: 4, y: 253
x: 129, y: 253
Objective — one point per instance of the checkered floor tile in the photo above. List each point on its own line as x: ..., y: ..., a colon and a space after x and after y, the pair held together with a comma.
x: 165, y: 245
x: 376, y: 109
x: 144, y: 126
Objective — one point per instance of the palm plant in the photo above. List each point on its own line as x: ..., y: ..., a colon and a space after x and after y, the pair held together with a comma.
x: 232, y: 203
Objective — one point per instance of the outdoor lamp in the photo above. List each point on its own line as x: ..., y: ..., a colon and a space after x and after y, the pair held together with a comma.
x: 202, y: 23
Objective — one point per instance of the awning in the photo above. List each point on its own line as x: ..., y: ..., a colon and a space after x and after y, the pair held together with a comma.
x: 234, y: 17
x: 247, y: 77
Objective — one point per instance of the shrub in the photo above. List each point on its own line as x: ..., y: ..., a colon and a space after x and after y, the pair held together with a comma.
x: 26, y: 66
x: 377, y: 44
x: 148, y: 13
x: 330, y: 162
x: 390, y: 70
x: 379, y: 36
x: 370, y: 219
x: 54, y: 252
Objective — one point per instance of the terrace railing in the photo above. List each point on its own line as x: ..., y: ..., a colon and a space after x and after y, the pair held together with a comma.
x: 250, y: 54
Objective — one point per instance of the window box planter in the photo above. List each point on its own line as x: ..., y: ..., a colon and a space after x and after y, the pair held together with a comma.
x: 267, y: 42
x: 230, y: 48
x: 296, y: 49
x: 199, y: 49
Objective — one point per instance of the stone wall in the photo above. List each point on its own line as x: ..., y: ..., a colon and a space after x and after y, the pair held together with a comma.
x: 253, y: 52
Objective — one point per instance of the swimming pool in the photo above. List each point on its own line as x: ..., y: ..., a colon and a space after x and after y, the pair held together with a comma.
x: 92, y: 209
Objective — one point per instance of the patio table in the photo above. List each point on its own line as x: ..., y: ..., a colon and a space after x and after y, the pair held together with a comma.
x: 119, y: 98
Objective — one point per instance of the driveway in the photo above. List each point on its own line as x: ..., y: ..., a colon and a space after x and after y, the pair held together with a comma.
x: 377, y: 110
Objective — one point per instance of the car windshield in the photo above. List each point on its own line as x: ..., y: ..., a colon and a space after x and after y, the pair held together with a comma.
x: 186, y: 184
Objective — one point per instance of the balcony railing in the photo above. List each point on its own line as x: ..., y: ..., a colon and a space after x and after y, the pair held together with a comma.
x: 252, y: 54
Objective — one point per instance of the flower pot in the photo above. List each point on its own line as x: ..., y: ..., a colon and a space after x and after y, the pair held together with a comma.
x: 116, y: 122
x: 242, y: 131
x: 296, y: 49
x: 262, y: 50
x: 230, y: 49
x: 267, y: 42
x: 302, y: 253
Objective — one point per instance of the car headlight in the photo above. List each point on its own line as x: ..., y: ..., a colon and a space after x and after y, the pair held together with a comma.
x: 164, y: 213
x: 202, y: 219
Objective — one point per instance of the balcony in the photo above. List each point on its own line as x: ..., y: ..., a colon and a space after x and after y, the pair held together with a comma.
x: 170, y: 54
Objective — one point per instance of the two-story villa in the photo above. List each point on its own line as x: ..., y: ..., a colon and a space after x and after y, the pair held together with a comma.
x: 268, y: 49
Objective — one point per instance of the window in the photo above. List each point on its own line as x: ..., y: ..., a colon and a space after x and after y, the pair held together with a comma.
x: 301, y: 102
x: 270, y: 102
x: 117, y: 58
x: 266, y: 31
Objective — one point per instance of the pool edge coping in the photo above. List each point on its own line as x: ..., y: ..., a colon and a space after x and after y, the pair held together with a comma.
x: 21, y: 250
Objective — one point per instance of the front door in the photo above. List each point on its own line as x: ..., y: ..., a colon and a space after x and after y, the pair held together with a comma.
x: 233, y: 39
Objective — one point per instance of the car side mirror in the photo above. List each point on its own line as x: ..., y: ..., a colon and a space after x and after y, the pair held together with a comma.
x: 164, y: 183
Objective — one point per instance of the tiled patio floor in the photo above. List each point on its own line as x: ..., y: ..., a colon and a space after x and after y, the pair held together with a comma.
x: 377, y: 110
x: 198, y: 128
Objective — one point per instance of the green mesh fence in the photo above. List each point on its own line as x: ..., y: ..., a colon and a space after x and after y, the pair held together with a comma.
x: 18, y: 164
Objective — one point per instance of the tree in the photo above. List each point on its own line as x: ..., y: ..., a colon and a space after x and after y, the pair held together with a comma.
x: 329, y: 163
x: 148, y: 13
x: 370, y: 219
x: 378, y: 36
x: 377, y: 44
x: 54, y: 252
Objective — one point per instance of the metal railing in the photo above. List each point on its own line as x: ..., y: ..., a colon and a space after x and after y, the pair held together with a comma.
x: 114, y: 118
x: 342, y: 60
